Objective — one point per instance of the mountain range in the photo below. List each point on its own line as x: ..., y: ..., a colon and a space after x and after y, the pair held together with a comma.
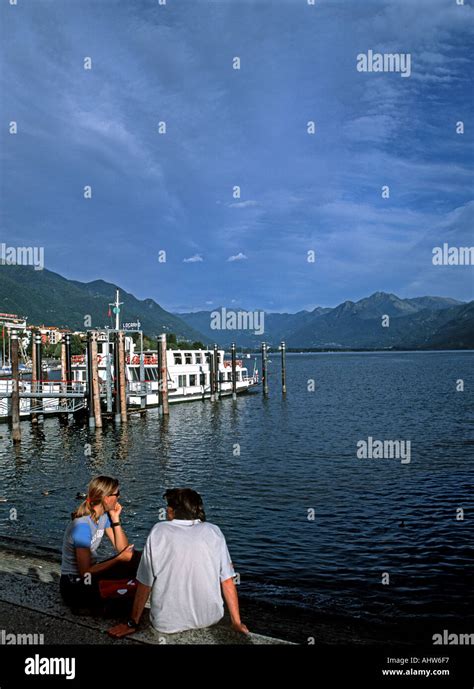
x: 418, y: 323
x: 50, y: 299
x: 45, y: 297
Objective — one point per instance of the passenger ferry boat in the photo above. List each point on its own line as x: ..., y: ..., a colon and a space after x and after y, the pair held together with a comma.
x: 189, y: 376
x: 188, y: 379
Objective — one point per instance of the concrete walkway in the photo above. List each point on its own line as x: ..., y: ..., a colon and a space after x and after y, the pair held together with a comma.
x: 30, y: 603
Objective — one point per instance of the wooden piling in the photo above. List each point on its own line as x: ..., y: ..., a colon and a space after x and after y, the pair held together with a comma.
x: 202, y: 380
x: 63, y: 402
x: 95, y: 383
x: 264, y: 369
x: 108, y: 377
x: 164, y: 376
x: 122, y: 379
x: 210, y: 358
x: 217, y: 387
x: 117, y: 403
x: 68, y: 357
x: 142, y: 381
x: 90, y: 386
x: 158, y: 373
x: 283, y: 367
x: 39, y: 369
x: 15, y: 398
x: 33, y: 402
x: 234, y: 371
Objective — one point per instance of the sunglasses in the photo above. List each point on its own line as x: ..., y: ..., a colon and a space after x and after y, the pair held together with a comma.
x: 115, y: 495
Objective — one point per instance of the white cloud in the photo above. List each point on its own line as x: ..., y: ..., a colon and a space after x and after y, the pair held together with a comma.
x: 238, y: 257
x: 243, y: 204
x: 197, y: 258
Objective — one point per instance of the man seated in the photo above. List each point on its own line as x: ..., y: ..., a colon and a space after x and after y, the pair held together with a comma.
x: 185, y: 564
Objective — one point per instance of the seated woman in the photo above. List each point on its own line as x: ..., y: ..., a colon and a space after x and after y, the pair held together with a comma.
x: 81, y: 574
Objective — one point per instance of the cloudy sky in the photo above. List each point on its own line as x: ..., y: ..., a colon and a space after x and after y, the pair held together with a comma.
x: 246, y: 128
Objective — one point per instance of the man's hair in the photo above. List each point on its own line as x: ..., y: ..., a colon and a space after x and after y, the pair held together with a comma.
x: 186, y: 503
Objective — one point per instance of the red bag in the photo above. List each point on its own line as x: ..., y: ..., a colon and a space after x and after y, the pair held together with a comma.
x: 117, y: 588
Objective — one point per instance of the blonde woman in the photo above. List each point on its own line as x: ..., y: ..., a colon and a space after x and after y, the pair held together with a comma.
x: 80, y: 570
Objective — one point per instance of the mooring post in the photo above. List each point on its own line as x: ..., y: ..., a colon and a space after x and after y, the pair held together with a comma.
x: 68, y: 355
x: 33, y: 402
x: 63, y: 402
x: 264, y: 369
x: 95, y: 382
x: 90, y: 387
x: 108, y: 376
x: 117, y: 403
x: 217, y: 392
x: 39, y: 368
x: 142, y: 381
x: 210, y: 358
x: 158, y: 374
x: 122, y: 379
x: 15, y: 398
x: 283, y: 367
x: 63, y: 364
x: 202, y: 381
x: 164, y: 375
x: 234, y: 371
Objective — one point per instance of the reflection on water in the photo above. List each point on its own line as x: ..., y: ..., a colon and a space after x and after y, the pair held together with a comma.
x: 261, y: 464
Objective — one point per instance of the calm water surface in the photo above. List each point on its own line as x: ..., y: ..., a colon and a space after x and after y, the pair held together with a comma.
x: 296, y: 454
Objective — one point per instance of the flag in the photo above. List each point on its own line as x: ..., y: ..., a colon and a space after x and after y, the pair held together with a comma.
x: 109, y: 313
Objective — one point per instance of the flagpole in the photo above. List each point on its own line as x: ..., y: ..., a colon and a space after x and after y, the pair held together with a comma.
x: 117, y: 312
x: 116, y: 304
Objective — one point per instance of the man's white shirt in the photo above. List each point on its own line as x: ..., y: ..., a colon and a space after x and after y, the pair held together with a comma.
x: 185, y: 561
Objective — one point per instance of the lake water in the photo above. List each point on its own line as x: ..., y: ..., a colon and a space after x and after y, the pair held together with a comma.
x: 297, y: 454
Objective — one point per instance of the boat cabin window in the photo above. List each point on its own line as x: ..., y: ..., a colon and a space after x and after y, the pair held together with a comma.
x: 192, y: 380
x: 188, y: 358
x: 181, y: 381
x: 134, y: 373
x: 198, y: 358
x: 178, y: 359
x: 150, y: 373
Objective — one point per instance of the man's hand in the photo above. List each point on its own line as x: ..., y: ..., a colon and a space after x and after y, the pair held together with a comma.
x: 240, y: 627
x: 121, y: 630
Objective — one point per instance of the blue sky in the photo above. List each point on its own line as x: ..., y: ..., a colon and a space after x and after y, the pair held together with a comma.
x: 246, y: 127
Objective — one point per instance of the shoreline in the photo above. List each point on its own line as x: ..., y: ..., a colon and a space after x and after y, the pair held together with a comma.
x: 276, y: 623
